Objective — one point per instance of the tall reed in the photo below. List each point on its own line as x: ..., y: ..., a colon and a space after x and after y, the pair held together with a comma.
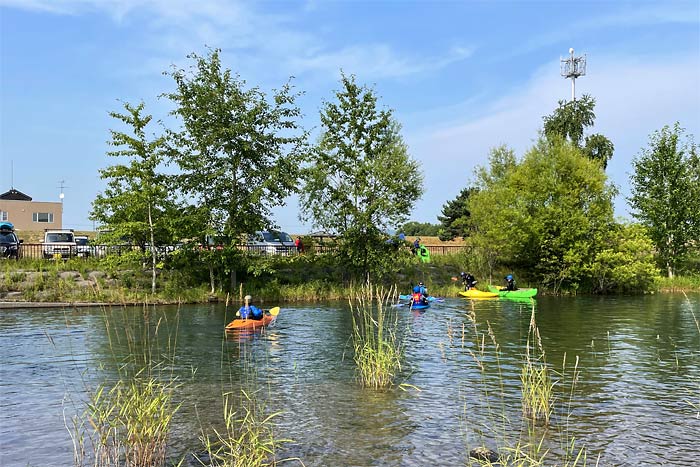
x: 378, y: 350
x: 247, y: 438
x: 518, y: 444
x: 537, y: 385
x: 130, y: 422
x: 127, y: 418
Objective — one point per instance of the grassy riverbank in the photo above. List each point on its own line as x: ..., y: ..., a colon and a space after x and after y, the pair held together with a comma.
x: 268, y: 279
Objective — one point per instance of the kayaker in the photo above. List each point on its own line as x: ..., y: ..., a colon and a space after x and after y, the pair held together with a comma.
x: 510, y: 283
x: 423, y: 289
x: 417, y: 298
x: 250, y: 311
x: 468, y: 280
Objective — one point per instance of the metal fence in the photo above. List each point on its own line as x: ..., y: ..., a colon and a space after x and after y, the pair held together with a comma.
x: 48, y: 251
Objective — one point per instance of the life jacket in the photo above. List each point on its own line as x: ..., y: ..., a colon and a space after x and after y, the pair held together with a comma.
x: 417, y: 297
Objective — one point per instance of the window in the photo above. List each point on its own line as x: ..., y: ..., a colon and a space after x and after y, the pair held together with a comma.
x: 44, y: 217
x: 3, y: 216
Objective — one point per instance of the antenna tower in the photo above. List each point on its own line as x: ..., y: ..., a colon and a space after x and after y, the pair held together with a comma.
x: 62, y: 186
x: 572, y: 68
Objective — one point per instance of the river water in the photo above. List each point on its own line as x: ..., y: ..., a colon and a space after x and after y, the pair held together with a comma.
x: 627, y: 372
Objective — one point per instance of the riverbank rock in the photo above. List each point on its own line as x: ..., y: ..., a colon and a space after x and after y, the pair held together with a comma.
x: 484, y: 454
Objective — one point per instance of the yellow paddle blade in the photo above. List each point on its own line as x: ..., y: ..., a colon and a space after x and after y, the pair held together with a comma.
x: 275, y: 311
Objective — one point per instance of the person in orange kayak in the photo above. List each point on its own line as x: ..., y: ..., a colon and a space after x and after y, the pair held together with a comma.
x: 250, y: 311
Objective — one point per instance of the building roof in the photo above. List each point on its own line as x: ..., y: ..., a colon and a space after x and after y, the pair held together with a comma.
x: 15, y: 195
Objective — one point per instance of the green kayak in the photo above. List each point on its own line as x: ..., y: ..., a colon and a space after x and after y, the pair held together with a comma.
x: 520, y: 293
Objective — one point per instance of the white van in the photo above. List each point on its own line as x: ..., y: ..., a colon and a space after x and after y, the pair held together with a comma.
x: 271, y: 242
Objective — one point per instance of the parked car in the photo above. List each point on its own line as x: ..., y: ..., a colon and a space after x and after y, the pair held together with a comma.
x: 9, y: 243
x: 59, y: 243
x: 82, y: 247
x: 271, y: 242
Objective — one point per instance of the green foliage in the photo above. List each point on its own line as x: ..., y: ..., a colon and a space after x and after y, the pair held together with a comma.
x: 361, y: 179
x: 239, y: 152
x: 546, y: 215
x: 425, y: 229
x: 137, y: 203
x: 455, y: 216
x: 137, y: 198
x: 247, y: 438
x: 627, y: 262
x: 570, y: 120
x: 378, y: 349
x: 665, y: 191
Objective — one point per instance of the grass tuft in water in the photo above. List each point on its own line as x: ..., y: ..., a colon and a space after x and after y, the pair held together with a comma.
x: 378, y: 350
x: 246, y: 439
x: 537, y: 385
x: 129, y: 423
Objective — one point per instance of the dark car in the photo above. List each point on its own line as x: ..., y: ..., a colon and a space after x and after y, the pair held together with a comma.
x: 9, y: 243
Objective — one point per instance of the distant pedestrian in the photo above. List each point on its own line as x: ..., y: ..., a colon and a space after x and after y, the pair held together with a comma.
x: 299, y: 244
x: 416, y: 245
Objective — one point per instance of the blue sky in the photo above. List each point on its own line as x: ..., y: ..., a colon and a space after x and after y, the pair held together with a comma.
x: 461, y: 76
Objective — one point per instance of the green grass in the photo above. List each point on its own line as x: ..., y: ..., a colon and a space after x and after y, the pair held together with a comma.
x: 378, y: 350
x: 247, y: 438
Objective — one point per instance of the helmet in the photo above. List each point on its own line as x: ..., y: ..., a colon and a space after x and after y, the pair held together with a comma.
x: 509, y: 277
x: 462, y: 273
x: 248, y: 298
x: 421, y: 283
x: 416, y: 289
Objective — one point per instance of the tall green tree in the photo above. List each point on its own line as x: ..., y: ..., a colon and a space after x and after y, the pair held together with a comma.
x: 570, y: 120
x: 361, y: 179
x: 665, y: 189
x: 546, y: 215
x: 136, y: 204
x: 455, y: 220
x: 425, y: 229
x: 239, y: 151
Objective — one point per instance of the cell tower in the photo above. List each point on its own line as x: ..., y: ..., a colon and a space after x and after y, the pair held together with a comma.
x: 571, y: 68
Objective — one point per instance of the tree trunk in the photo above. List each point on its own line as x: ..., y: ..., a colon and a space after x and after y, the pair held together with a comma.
x: 211, y: 277
x: 153, y: 252
x: 233, y: 280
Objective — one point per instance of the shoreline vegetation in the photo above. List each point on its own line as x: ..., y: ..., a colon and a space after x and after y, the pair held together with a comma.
x: 272, y: 280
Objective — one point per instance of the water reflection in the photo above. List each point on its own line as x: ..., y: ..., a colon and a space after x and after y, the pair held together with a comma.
x: 638, y: 375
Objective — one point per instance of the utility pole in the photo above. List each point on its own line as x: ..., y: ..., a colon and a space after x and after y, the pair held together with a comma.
x: 572, y: 68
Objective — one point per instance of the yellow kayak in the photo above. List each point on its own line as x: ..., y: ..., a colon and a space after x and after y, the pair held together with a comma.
x: 474, y: 293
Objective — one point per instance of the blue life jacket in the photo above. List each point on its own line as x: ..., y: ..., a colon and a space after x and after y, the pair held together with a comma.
x: 251, y: 312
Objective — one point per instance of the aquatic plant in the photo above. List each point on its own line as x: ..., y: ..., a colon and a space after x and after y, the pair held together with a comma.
x: 129, y: 423
x: 247, y: 438
x: 127, y: 418
x: 537, y: 385
x: 523, y: 445
x: 378, y: 350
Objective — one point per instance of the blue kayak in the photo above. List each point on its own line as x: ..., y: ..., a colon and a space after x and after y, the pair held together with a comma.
x: 419, y: 306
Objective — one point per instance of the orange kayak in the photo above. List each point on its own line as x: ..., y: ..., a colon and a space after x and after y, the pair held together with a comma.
x: 250, y: 323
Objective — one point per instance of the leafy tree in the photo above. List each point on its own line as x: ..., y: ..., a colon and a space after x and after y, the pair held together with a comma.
x: 626, y: 262
x: 361, y: 178
x: 570, y: 120
x: 455, y: 216
x: 136, y: 203
x: 425, y: 229
x: 239, y: 152
x: 665, y: 189
x: 546, y: 215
